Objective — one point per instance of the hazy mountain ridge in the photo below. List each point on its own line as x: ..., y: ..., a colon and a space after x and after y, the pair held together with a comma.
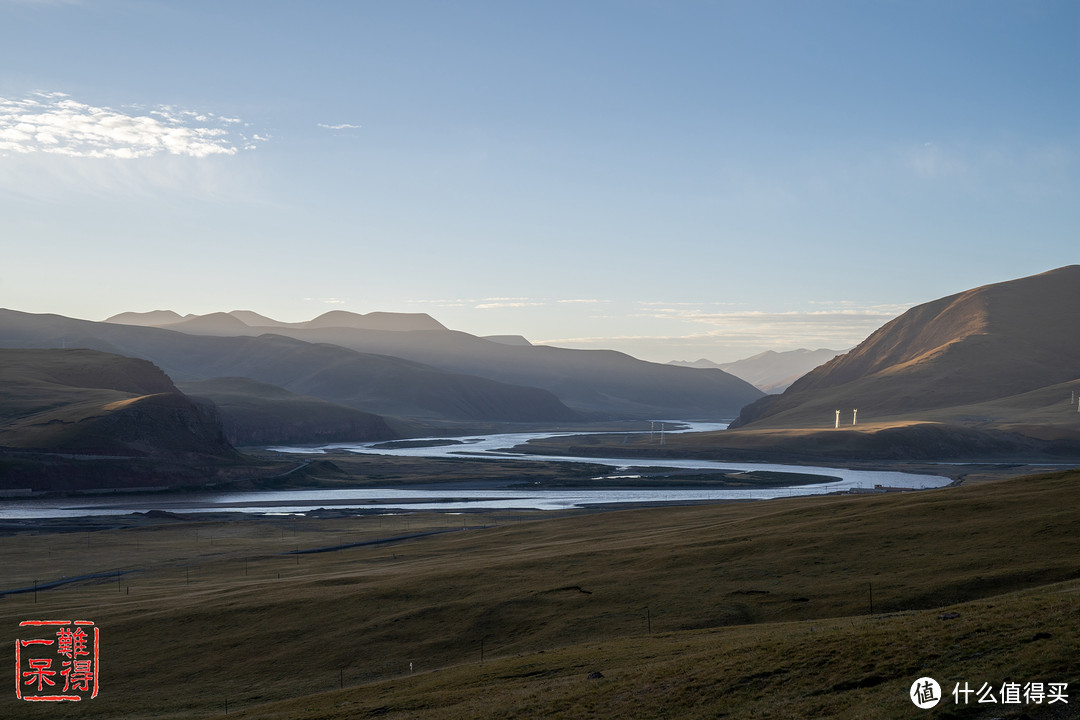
x: 602, y: 383
x: 992, y: 347
x: 371, y: 383
x: 152, y: 318
x: 246, y: 322
x: 769, y: 371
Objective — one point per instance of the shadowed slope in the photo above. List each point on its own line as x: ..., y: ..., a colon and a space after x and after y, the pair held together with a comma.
x: 87, y: 401
x: 78, y: 419
x: 255, y: 413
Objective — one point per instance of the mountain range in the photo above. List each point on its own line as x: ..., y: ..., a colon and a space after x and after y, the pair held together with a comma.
x: 158, y: 398
x: 206, y: 383
x: 597, y: 384
x: 371, y: 383
x: 227, y: 323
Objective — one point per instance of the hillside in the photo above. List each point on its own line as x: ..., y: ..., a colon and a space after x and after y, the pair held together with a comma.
x: 93, y: 402
x: 255, y: 413
x: 600, y: 383
x: 985, y: 345
x: 72, y: 419
x: 363, y: 381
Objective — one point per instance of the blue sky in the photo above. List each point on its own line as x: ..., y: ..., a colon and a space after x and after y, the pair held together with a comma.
x: 675, y: 179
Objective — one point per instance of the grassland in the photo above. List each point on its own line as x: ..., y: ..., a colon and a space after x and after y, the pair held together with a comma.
x: 738, y: 610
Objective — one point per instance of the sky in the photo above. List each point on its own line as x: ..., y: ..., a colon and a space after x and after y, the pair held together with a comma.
x: 675, y: 179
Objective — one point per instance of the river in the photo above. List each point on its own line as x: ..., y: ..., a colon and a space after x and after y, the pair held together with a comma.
x: 458, y: 498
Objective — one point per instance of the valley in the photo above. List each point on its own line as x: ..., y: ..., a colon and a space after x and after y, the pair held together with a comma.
x: 282, y: 520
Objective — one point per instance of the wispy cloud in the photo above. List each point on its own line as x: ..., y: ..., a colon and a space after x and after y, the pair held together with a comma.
x: 509, y: 303
x: 327, y: 301
x: 342, y: 126
x: 54, y: 123
x: 490, y: 303
x: 838, y: 326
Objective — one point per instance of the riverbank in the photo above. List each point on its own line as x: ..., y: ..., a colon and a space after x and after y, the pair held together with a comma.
x: 731, y: 602
x: 908, y: 441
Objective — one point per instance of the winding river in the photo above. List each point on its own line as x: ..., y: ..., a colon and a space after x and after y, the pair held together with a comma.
x: 458, y: 497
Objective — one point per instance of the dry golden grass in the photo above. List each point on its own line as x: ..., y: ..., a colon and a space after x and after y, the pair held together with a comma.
x: 731, y: 592
x: 848, y: 668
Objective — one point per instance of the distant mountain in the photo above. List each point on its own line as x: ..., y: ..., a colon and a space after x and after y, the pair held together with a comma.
x: 57, y: 406
x: 371, y: 383
x: 770, y: 371
x: 397, y: 322
x: 700, y: 363
x: 255, y: 413
x: 223, y: 324
x: 246, y: 322
x: 254, y: 319
x: 508, y: 340
x: 154, y: 318
x: 993, y: 346
x: 600, y: 383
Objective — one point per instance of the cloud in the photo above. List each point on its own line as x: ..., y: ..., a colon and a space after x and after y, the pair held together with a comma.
x: 583, y: 301
x: 328, y: 301
x: 342, y: 126
x: 509, y: 304
x: 490, y: 303
x: 55, y: 124
x: 841, y: 325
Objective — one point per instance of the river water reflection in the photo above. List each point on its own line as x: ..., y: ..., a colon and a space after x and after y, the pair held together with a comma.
x: 459, y: 497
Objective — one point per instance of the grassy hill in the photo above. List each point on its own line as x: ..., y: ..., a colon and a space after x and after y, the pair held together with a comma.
x: 739, y: 610
x: 91, y: 402
x: 82, y: 419
x: 995, y: 358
